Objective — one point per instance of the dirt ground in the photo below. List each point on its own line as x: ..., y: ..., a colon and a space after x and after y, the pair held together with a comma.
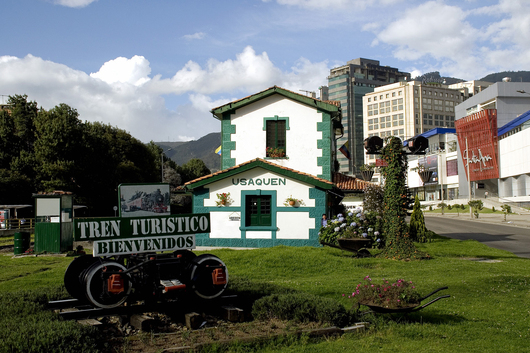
x: 167, y: 335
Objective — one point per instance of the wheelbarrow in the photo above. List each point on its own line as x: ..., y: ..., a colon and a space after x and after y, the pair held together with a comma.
x: 356, y: 246
x: 419, y: 306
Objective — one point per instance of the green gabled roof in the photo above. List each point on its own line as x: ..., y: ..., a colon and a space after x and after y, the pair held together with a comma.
x: 260, y: 163
x: 332, y: 107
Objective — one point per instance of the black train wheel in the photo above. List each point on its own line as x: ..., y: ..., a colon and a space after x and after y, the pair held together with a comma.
x: 203, y: 273
x: 96, y: 285
x: 73, y: 279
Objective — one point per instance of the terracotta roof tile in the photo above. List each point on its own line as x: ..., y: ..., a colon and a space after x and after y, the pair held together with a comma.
x: 348, y: 183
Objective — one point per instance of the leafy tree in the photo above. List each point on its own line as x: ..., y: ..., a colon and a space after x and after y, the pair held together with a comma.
x: 17, y: 167
x: 506, y: 209
x: 58, y: 133
x: 49, y: 150
x: 195, y: 168
x: 476, y: 205
x: 458, y: 207
x: 171, y: 175
x: 399, y: 245
x: 442, y: 205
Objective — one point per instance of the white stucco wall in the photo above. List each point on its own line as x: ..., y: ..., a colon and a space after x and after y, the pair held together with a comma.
x: 250, y: 138
x: 234, y: 186
x: 290, y: 225
x: 293, y: 225
x: 515, y: 154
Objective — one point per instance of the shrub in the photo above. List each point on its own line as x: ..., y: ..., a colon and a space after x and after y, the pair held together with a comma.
x: 430, y: 208
x: 493, y: 209
x: 417, y: 223
x: 302, y: 307
x: 449, y: 207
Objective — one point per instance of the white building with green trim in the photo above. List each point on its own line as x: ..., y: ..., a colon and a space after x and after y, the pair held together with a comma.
x: 276, y: 144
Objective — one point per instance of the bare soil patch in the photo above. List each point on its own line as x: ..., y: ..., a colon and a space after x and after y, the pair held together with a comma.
x: 168, y: 335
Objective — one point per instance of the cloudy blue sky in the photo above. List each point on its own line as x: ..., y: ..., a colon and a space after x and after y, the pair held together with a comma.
x: 156, y: 68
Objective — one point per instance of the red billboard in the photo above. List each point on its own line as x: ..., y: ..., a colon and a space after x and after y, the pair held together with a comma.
x: 479, y: 130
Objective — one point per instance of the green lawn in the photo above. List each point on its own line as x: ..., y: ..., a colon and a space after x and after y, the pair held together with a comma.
x: 488, y: 310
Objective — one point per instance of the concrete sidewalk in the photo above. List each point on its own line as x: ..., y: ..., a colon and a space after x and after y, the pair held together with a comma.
x: 512, y: 219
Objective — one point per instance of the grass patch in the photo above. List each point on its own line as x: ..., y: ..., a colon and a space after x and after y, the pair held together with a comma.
x: 25, y: 326
x: 487, y: 311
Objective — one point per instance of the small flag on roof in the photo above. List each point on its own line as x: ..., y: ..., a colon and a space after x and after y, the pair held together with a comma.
x: 344, y: 149
x: 218, y: 150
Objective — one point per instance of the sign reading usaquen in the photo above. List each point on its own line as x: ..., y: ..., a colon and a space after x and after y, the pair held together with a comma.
x: 480, y: 131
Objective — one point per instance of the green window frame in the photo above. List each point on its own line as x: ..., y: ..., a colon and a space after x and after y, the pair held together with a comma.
x: 276, y: 136
x: 258, y: 210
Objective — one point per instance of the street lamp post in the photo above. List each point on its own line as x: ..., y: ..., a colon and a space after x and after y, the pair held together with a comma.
x: 162, y: 161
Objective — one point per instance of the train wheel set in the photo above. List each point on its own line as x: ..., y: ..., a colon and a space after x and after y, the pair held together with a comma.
x: 110, y: 282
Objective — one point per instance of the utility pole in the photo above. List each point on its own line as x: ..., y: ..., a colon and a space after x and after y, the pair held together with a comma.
x: 468, y: 180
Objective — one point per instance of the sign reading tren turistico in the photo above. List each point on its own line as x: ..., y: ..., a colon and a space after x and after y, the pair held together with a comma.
x: 119, y: 236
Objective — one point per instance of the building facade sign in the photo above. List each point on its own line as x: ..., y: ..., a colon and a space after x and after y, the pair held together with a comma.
x: 479, y: 131
x: 258, y: 181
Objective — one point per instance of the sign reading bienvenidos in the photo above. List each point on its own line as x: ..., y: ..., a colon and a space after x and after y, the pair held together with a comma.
x: 119, y: 236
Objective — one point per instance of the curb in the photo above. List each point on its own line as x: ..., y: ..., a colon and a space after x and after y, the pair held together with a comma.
x: 465, y: 217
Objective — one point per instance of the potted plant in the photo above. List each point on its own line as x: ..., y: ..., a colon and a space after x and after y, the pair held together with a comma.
x: 275, y: 152
x: 425, y: 174
x: 223, y: 199
x: 367, y: 171
x: 291, y: 201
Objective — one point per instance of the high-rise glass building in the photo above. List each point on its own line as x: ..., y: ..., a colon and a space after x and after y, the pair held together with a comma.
x: 348, y: 84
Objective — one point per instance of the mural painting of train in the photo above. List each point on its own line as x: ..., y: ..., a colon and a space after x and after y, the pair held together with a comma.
x: 155, y: 201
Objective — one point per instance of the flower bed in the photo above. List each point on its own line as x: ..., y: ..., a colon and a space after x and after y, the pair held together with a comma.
x: 396, y: 295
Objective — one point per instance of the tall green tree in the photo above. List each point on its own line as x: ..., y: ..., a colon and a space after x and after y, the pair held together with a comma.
x: 58, y: 136
x: 195, y: 168
x: 17, y: 162
x: 51, y: 150
x: 399, y: 245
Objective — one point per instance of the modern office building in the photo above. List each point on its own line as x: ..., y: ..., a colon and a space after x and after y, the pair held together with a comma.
x: 406, y: 109
x: 348, y: 84
x: 494, y: 125
x: 441, y: 160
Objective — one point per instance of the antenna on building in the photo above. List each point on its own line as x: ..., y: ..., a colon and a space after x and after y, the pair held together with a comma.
x: 309, y: 93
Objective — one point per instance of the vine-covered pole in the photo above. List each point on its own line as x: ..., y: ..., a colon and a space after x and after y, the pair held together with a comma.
x: 399, y: 245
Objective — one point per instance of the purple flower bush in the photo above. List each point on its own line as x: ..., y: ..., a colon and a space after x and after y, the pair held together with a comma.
x: 355, y: 224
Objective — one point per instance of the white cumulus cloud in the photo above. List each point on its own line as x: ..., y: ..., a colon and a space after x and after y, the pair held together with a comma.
x: 74, y: 3
x: 122, y: 93
x: 458, y: 41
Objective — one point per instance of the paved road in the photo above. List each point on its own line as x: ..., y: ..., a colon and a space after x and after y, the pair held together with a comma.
x: 494, y: 234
